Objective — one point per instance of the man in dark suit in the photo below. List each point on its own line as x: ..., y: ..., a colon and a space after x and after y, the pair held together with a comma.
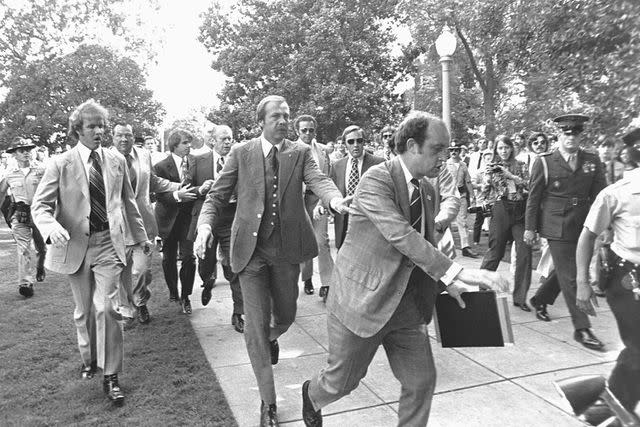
x: 347, y: 171
x: 173, y: 213
x: 562, y: 187
x: 387, y: 275
x: 203, y: 171
x: 82, y: 206
x: 271, y: 233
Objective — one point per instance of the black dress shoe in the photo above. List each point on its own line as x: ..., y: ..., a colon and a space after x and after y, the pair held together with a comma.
x: 587, y: 339
x: 324, y: 293
x: 40, y: 274
x: 523, y: 306
x: 268, y: 415
x: 112, y: 389
x: 541, y: 310
x: 206, y: 290
x: 469, y: 253
x: 308, y: 287
x: 26, y: 290
x: 88, y: 372
x: 238, y: 322
x: 186, y: 306
x: 143, y: 314
x: 310, y: 416
x: 275, y: 352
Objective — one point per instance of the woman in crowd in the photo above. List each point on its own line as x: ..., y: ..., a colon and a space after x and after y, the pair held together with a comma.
x: 625, y: 159
x: 505, y: 185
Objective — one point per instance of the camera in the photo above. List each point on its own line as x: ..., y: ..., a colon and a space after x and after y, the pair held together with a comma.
x: 483, y: 209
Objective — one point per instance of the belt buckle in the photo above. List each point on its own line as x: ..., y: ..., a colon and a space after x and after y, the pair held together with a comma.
x: 574, y: 201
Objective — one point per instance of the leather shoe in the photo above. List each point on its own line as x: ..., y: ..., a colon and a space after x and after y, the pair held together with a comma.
x: 143, y: 314
x: 541, y: 310
x: 310, y: 416
x: 26, y: 290
x: 324, y: 293
x: 268, y: 415
x: 275, y: 352
x: 469, y: 253
x: 587, y: 339
x: 206, y: 290
x: 112, y: 389
x: 88, y: 372
x: 186, y: 306
x: 308, y: 287
x: 523, y: 306
x: 40, y: 274
x: 238, y: 322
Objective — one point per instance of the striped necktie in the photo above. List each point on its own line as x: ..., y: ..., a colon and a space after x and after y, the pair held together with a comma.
x: 98, y: 215
x: 219, y: 165
x: 415, y: 206
x: 132, y: 172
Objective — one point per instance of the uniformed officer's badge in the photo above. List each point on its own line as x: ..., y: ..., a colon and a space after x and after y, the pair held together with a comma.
x: 588, y: 167
x: 556, y: 184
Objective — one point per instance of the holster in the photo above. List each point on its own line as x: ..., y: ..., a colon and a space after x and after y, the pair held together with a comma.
x: 22, y: 213
x: 606, y: 262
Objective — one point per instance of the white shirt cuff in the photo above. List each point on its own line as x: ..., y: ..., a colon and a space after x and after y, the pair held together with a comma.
x: 451, y: 274
x: 175, y: 196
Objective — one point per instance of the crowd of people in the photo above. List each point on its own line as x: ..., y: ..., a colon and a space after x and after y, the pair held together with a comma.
x: 262, y: 208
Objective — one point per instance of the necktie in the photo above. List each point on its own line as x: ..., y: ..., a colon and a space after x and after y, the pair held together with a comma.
x: 272, y: 160
x: 219, y: 165
x: 132, y: 172
x: 573, y: 161
x: 415, y: 206
x: 98, y: 215
x: 354, y: 177
x: 184, y: 171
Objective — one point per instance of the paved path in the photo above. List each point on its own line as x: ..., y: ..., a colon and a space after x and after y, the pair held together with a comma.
x: 509, y: 386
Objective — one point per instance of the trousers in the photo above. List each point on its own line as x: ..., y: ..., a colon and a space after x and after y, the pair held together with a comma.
x: 23, y: 233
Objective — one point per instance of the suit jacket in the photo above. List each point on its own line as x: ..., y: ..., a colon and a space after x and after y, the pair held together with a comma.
x: 338, y: 171
x: 244, y: 168
x: 380, y: 251
x: 62, y: 199
x: 167, y: 208
x: 324, y: 164
x: 148, y: 182
x: 558, y: 205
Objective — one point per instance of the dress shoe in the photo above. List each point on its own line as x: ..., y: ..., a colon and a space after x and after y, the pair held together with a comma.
x: 310, y: 416
x: 587, y: 339
x: 308, y: 287
x: 173, y: 298
x: 541, y: 310
x: 40, y: 274
x: 186, y: 306
x: 112, y: 389
x: 238, y: 322
x: 324, y: 293
x: 206, y: 290
x: 26, y: 290
x: 523, y: 306
x: 143, y: 314
x: 88, y: 372
x: 275, y: 352
x: 268, y: 415
x: 469, y: 253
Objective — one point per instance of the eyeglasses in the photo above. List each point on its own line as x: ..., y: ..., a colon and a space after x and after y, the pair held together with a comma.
x: 308, y: 130
x: 539, y: 143
x: 455, y: 150
x: 355, y: 141
x: 386, y: 135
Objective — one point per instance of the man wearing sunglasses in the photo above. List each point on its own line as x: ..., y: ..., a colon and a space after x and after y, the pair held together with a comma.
x: 346, y: 172
x: 388, y: 145
x: 305, y: 127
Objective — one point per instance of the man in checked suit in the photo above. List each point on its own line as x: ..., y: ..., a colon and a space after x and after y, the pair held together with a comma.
x: 271, y: 233
x: 173, y: 213
x: 83, y: 207
x: 387, y: 275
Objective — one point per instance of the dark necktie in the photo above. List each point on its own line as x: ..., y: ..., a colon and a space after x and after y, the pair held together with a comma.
x: 573, y: 161
x: 98, y: 215
x: 354, y: 177
x: 415, y: 206
x: 184, y: 169
x: 272, y: 160
x: 219, y: 165
x: 132, y: 172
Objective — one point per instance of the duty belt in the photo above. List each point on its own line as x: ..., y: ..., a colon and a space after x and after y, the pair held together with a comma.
x: 574, y: 201
x: 630, y: 279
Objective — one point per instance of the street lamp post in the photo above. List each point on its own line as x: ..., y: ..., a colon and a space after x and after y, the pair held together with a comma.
x: 446, y: 46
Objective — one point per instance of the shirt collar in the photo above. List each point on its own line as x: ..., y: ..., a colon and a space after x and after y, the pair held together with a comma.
x: 359, y: 159
x: 266, y: 146
x: 566, y: 155
x: 85, y: 152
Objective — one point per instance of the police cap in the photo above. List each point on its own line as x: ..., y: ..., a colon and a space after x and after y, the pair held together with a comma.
x: 20, y: 143
x: 571, y: 124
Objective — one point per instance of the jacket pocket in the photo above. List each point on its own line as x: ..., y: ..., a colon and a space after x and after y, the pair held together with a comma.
x: 363, y: 276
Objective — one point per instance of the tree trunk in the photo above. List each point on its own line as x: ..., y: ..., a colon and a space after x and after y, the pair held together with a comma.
x: 489, y: 99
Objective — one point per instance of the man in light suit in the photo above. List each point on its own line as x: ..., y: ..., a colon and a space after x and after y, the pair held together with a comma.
x: 346, y: 176
x: 136, y: 276
x: 387, y: 275
x: 305, y: 127
x: 83, y: 207
x: 203, y: 171
x: 271, y: 233
x: 173, y: 214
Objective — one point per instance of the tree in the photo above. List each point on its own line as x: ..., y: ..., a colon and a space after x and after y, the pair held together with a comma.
x: 328, y: 58
x: 41, y: 98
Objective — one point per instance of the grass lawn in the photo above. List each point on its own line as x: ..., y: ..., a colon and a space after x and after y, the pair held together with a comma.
x: 166, y: 378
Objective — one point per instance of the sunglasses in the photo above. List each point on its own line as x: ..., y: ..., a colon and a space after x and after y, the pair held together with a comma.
x: 386, y: 135
x: 355, y: 141
x: 538, y: 143
x: 308, y: 130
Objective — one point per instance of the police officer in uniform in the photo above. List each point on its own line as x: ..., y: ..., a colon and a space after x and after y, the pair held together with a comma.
x: 562, y: 186
x: 22, y: 181
x: 617, y: 207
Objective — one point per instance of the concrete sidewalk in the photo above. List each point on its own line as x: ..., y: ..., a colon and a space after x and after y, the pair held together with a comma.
x: 509, y: 386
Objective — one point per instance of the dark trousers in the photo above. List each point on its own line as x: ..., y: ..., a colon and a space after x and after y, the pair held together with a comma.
x: 507, y: 223
x: 176, y: 244
x: 625, y: 377
x: 477, y: 227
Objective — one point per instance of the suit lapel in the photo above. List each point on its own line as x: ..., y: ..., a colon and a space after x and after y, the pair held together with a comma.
x: 138, y: 170
x: 287, y: 158
x: 79, y: 173
x: 428, y: 210
x: 174, y: 175
x: 400, y: 184
x: 255, y: 161
x: 341, y: 170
